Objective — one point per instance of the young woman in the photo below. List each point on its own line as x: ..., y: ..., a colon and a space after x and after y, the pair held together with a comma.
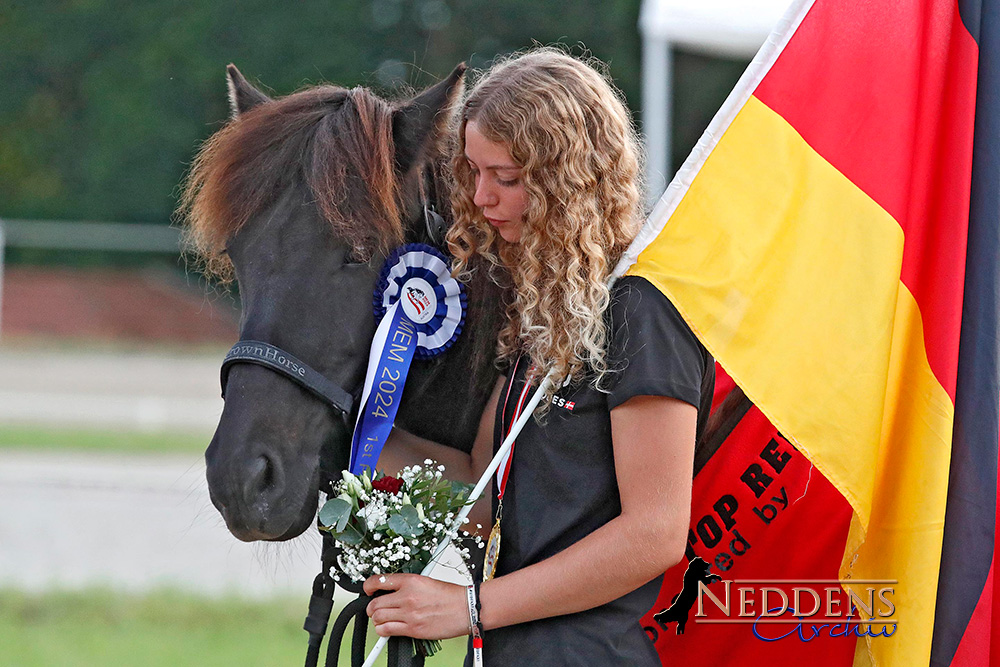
x: 596, y: 503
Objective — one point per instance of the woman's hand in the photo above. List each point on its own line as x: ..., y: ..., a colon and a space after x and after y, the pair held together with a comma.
x: 418, y: 607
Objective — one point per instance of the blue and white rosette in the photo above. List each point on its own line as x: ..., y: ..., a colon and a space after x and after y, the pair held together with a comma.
x: 421, y: 311
x: 418, y: 277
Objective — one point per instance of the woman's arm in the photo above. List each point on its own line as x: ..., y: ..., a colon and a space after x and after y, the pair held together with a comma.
x: 653, y: 440
x: 403, y: 448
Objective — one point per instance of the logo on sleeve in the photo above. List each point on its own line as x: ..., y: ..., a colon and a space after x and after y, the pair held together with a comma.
x: 560, y: 402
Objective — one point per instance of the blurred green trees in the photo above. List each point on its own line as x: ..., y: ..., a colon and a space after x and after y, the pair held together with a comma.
x: 103, y: 103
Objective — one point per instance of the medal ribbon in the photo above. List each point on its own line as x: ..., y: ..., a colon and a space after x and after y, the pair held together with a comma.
x: 503, y: 472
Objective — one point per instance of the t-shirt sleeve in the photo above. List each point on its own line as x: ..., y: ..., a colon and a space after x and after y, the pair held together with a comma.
x: 652, y: 351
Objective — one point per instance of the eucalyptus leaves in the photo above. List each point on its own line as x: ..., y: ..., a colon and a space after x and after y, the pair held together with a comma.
x: 388, y: 524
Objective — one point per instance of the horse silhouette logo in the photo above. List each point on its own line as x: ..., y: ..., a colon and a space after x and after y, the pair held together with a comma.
x: 418, y: 299
x: 680, y: 605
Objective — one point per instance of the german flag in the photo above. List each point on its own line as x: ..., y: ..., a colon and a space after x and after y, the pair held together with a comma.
x: 834, y: 240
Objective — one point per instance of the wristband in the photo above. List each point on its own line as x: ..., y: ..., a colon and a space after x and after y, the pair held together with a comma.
x: 472, y: 596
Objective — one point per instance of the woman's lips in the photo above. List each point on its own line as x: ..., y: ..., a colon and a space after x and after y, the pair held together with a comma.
x: 495, y: 222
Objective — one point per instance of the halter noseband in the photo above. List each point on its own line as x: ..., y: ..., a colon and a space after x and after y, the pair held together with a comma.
x: 264, y: 354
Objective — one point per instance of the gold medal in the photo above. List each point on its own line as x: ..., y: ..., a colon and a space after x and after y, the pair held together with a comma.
x: 492, y: 552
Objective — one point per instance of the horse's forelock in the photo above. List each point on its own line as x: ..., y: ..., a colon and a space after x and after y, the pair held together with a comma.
x: 339, y: 141
x: 362, y: 136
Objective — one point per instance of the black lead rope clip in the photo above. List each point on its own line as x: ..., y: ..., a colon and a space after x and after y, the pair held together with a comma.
x: 320, y: 608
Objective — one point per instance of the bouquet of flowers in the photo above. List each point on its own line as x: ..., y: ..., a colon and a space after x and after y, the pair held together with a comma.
x: 385, y: 525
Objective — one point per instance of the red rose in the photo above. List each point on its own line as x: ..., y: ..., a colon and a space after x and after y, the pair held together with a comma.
x: 388, y: 484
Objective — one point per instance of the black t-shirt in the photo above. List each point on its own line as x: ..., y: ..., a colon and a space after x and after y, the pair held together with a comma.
x: 562, y: 483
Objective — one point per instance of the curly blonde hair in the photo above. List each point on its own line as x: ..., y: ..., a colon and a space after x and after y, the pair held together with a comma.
x: 568, y: 128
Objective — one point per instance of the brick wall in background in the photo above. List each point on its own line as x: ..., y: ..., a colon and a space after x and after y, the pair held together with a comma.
x: 114, y: 305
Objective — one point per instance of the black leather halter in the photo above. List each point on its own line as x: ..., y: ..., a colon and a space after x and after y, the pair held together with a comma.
x: 264, y: 354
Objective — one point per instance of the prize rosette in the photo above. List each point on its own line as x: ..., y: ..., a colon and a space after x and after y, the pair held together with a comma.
x: 420, y: 310
x: 419, y: 278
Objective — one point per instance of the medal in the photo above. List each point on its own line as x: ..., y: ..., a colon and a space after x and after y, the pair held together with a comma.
x: 492, y: 551
x: 503, y: 472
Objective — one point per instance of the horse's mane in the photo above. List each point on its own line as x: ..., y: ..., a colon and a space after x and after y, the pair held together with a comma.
x: 338, y: 141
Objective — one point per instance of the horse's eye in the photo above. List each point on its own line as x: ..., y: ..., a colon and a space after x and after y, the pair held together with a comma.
x: 352, y: 257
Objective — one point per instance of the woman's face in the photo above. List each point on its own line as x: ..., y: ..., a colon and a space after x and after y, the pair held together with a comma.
x: 500, y: 193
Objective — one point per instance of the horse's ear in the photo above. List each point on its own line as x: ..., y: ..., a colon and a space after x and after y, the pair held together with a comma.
x: 417, y: 123
x: 242, y: 95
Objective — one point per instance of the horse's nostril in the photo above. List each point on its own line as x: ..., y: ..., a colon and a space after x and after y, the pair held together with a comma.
x: 261, y: 475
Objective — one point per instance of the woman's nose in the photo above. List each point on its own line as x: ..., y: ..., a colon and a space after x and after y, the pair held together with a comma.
x: 484, y: 196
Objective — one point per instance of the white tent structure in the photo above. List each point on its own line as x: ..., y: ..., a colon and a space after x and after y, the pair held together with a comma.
x: 734, y: 28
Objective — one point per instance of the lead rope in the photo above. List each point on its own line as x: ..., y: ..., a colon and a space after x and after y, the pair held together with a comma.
x: 320, y: 607
x: 320, y: 604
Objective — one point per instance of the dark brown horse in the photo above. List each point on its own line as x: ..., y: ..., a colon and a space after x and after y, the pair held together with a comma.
x: 300, y: 199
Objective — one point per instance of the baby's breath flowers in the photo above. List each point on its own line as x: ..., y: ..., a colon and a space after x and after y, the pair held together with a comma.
x: 394, y: 524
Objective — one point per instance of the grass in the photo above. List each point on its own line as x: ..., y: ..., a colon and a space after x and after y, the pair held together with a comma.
x: 40, y: 438
x: 100, y: 627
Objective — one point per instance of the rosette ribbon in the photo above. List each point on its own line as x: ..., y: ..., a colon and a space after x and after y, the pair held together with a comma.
x: 420, y: 308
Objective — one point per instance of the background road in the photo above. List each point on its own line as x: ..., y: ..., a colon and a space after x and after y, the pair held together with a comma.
x: 130, y: 521
x: 134, y: 523
x: 70, y: 519
x: 134, y: 390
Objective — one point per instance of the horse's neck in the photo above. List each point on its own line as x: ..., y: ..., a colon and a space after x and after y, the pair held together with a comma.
x: 441, y: 405
x: 445, y: 396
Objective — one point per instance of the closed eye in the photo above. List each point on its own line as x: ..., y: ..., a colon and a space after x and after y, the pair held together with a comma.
x: 352, y: 259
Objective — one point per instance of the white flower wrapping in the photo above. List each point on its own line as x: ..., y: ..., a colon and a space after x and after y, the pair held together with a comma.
x: 388, y: 524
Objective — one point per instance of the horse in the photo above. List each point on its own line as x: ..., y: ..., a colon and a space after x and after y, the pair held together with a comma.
x: 300, y: 199
x: 680, y: 605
